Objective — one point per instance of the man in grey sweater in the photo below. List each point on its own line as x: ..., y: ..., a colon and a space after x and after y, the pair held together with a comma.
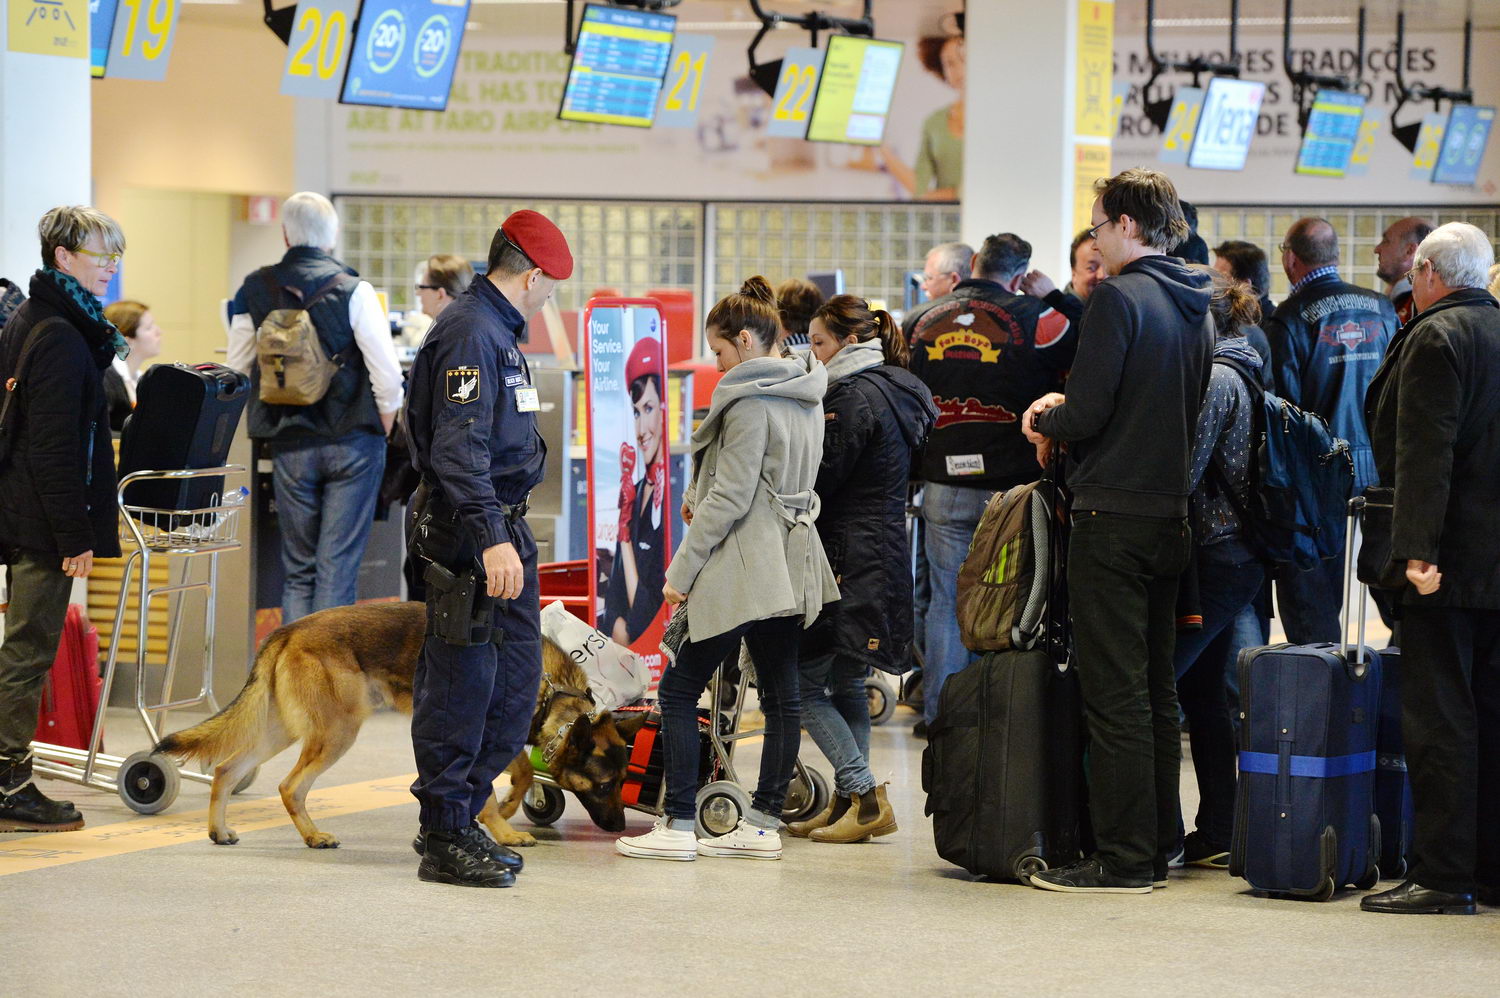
x: 1129, y: 418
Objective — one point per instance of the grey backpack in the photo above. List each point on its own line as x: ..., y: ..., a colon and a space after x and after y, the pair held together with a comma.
x: 294, y: 367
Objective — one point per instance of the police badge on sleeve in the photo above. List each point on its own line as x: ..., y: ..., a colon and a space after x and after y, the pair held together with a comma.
x: 462, y: 384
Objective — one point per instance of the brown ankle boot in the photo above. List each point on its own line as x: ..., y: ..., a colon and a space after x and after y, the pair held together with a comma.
x: 830, y: 814
x: 870, y: 815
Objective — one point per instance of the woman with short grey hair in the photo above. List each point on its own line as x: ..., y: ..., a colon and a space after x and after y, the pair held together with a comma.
x: 57, y: 479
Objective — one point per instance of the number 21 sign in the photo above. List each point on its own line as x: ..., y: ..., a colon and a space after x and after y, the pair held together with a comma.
x: 683, y: 88
x: 318, y: 48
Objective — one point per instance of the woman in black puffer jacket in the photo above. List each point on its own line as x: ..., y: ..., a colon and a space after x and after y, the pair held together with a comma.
x: 876, y: 417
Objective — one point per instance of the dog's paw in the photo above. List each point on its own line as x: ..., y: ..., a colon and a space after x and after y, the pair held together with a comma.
x: 224, y: 838
x: 521, y: 839
x: 321, y: 840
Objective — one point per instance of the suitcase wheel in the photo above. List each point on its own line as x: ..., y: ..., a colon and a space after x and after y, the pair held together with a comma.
x: 882, y: 700
x: 807, y: 794
x: 1027, y: 865
x: 148, y: 783
x: 1325, y: 892
x: 543, y: 804
x: 721, y: 805
x: 1369, y: 880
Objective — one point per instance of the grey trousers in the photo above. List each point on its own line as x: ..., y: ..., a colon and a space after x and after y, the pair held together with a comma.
x: 39, y: 594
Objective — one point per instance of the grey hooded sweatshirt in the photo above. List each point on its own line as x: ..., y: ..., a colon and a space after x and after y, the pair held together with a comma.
x: 752, y: 551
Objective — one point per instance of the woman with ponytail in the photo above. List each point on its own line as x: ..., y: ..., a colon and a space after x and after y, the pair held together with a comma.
x: 1228, y: 572
x: 751, y: 567
x: 876, y: 418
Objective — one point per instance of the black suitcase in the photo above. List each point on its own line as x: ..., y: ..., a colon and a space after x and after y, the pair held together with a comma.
x: 1003, y: 767
x: 185, y: 417
x: 1393, y: 801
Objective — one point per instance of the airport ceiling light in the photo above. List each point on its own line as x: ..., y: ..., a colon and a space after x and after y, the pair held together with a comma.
x: 1407, y: 134
x: 1305, y: 85
x: 1159, y: 111
x: 765, y: 74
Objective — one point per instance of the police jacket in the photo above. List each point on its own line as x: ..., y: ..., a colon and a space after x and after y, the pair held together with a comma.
x: 57, y: 487
x: 349, y: 406
x: 1327, y: 341
x: 986, y: 354
x: 1434, y: 413
x: 873, y: 421
x: 470, y: 417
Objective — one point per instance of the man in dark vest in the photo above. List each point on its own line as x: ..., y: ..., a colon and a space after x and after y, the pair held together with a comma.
x: 327, y: 457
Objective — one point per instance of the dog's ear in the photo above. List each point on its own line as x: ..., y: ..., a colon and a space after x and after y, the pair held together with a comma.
x: 581, y: 735
x: 629, y: 723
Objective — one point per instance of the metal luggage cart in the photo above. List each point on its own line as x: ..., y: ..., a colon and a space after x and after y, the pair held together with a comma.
x: 148, y: 783
x: 721, y: 802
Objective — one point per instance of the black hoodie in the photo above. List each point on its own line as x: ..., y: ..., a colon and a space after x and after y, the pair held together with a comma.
x: 1144, y: 356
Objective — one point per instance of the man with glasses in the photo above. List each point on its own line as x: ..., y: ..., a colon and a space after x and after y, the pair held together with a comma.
x: 945, y: 267
x: 1327, y: 341
x: 57, y: 480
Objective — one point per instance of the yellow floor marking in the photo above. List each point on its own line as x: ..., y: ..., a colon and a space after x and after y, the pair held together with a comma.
x: 37, y: 852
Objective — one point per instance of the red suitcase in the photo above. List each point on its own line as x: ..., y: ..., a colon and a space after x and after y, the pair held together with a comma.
x: 70, y: 698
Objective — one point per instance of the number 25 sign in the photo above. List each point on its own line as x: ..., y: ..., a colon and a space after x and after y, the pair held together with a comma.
x: 318, y: 48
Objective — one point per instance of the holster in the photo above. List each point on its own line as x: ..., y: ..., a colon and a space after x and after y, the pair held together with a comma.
x: 458, y: 609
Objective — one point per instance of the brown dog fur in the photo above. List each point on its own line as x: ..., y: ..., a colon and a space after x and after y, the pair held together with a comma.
x: 317, y: 680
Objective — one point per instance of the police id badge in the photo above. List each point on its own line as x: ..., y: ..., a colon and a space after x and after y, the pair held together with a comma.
x: 462, y: 385
x: 527, y: 400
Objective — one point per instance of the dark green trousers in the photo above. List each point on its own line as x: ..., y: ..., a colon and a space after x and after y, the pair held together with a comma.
x: 39, y: 594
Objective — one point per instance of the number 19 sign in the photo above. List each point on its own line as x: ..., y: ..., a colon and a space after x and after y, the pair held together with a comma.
x: 318, y: 48
x: 141, y: 43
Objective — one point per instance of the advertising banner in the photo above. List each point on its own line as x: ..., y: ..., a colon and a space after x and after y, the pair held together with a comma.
x: 629, y: 485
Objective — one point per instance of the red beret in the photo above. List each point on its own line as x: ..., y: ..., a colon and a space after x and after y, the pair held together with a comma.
x: 536, y: 236
x: 644, y: 359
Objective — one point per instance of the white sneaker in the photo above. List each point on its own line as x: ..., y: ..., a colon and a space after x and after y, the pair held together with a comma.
x: 747, y: 841
x: 659, y: 843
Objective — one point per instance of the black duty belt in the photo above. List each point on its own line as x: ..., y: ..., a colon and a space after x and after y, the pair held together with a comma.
x: 514, y: 513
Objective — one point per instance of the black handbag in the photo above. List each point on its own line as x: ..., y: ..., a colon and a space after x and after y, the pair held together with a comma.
x: 1376, y: 506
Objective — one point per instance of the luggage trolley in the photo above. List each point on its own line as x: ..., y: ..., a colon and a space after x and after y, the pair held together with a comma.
x: 721, y: 801
x: 147, y: 782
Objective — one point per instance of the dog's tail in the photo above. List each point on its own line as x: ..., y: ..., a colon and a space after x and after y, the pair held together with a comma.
x: 238, y: 727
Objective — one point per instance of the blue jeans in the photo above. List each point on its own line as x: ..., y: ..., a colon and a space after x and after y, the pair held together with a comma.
x: 1252, y: 629
x: 836, y: 712
x: 921, y: 584
x: 1309, y: 602
x: 950, y: 514
x: 325, y: 503
x: 1201, y: 661
x: 773, y: 648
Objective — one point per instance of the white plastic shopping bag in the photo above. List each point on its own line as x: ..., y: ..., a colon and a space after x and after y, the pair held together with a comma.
x: 617, y: 676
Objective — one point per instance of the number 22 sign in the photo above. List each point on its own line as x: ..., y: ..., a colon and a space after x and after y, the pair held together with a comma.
x: 682, y: 92
x: 141, y: 43
x: 792, y: 104
x: 319, y: 48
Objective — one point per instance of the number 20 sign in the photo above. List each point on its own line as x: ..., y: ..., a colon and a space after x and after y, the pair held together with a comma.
x: 319, y: 48
x: 141, y: 43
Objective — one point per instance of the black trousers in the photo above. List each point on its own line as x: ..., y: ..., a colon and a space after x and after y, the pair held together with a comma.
x: 1450, y: 720
x: 1122, y: 588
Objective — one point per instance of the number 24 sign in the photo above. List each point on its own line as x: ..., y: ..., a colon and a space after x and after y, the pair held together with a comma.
x: 318, y: 48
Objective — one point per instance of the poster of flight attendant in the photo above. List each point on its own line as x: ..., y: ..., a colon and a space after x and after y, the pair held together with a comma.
x: 629, y: 504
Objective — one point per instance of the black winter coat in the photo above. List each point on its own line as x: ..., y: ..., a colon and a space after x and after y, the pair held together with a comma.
x: 1434, y: 415
x: 57, y: 488
x: 874, y: 421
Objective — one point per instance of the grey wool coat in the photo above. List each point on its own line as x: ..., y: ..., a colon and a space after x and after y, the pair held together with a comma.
x: 752, y: 551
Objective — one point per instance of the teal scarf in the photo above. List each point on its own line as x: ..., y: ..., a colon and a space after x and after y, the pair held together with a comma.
x: 74, y: 291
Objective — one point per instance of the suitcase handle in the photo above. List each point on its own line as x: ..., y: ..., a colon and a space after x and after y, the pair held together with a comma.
x: 1359, y: 667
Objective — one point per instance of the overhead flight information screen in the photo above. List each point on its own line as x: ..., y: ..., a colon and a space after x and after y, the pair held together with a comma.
x: 1463, y: 144
x: 618, y: 66
x: 404, y: 53
x: 1227, y: 124
x: 1332, y: 131
x: 855, y: 90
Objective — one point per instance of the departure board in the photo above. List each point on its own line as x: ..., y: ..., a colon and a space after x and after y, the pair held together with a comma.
x: 1464, y: 140
x: 618, y: 66
x: 1332, y: 132
x: 855, y: 90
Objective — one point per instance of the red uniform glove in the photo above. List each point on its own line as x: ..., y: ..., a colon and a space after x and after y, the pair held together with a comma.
x: 627, y: 490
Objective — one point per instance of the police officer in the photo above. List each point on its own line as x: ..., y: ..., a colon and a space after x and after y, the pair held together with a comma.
x: 471, y: 417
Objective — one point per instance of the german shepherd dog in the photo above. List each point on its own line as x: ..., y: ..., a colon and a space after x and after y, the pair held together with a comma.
x: 316, y: 681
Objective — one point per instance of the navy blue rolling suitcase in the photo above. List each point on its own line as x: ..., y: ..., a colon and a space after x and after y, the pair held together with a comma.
x: 185, y: 417
x: 1305, y: 823
x: 1393, y: 801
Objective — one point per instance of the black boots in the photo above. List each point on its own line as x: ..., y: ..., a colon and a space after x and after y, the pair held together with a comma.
x: 505, y: 856
x: 28, y: 810
x: 463, y: 859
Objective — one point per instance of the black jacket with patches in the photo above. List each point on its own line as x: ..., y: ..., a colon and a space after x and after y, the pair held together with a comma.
x: 873, y: 422
x: 57, y: 488
x: 1434, y: 415
x: 986, y: 354
x: 1134, y: 394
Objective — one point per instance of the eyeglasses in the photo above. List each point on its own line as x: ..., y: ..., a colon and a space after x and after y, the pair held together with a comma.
x: 1411, y: 275
x: 429, y: 287
x: 1094, y: 232
x: 105, y: 259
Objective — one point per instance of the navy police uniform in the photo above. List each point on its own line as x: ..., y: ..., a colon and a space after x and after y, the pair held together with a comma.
x: 471, y: 422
